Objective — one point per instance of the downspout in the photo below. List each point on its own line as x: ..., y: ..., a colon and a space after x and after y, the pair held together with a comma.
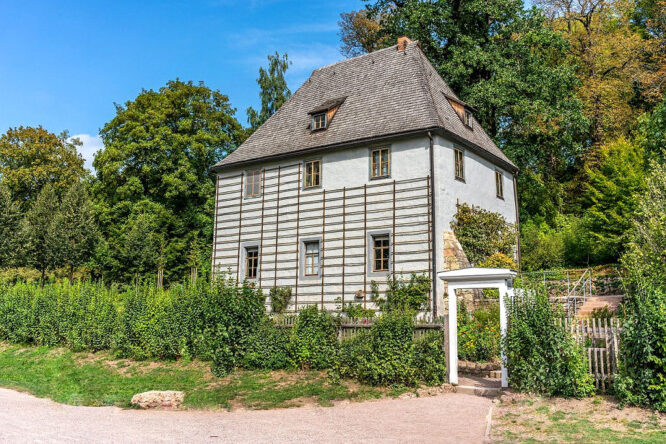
x: 515, y: 203
x: 433, y: 238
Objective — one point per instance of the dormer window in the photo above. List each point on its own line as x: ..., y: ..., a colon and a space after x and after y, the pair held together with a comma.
x: 324, y: 113
x: 463, y: 110
x: 467, y: 120
x: 318, y: 121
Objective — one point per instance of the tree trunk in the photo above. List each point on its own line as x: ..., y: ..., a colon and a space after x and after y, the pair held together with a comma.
x: 43, y: 277
x: 71, y: 274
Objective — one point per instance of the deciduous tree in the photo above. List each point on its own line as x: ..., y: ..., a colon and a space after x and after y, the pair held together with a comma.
x: 32, y: 157
x: 159, y: 149
x: 10, y: 222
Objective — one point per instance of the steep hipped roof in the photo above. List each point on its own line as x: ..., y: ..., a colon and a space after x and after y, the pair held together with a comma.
x: 386, y: 93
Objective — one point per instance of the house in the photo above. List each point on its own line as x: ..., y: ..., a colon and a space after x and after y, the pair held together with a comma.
x: 354, y: 178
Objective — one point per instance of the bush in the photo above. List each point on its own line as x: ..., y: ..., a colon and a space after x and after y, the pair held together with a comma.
x: 208, y: 321
x: 642, y: 379
x: 478, y: 333
x: 387, y: 354
x: 542, y: 357
x: 482, y: 233
x: 267, y: 348
x: 403, y: 295
x: 280, y: 297
x: 314, y: 341
x: 430, y: 359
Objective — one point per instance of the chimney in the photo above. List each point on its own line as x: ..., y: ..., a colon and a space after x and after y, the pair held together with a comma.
x: 403, y: 42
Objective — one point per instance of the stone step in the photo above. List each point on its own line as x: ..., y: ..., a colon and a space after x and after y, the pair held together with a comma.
x: 478, y: 391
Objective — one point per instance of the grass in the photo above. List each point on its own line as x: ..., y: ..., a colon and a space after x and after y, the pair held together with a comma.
x: 100, y: 379
x: 592, y: 420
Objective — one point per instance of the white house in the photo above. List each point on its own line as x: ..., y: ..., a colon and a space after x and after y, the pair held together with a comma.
x: 355, y: 177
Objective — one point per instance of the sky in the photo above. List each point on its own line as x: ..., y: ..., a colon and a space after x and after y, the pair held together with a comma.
x: 63, y: 64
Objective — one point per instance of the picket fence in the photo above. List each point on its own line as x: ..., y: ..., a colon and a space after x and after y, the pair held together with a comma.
x: 601, y: 340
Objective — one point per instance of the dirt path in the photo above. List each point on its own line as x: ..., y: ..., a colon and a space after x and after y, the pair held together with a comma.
x: 445, y: 418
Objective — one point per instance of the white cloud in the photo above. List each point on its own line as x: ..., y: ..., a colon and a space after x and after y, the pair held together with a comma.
x: 91, y: 144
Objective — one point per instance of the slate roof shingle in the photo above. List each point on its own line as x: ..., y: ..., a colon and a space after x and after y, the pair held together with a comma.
x: 386, y: 92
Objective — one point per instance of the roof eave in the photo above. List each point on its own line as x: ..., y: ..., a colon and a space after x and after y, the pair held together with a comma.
x: 370, y: 140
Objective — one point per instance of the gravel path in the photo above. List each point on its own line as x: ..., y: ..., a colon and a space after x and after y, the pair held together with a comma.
x: 449, y: 417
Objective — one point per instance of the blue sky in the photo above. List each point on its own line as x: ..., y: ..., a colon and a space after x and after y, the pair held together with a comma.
x: 63, y: 64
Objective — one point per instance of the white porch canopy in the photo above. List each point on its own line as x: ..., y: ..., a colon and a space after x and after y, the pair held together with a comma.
x: 472, y: 278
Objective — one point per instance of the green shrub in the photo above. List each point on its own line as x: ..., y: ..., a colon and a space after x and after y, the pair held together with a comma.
x: 314, y: 341
x: 478, y: 333
x: 403, y: 295
x: 267, y: 348
x: 542, y: 357
x: 482, y: 233
x: 430, y: 358
x: 208, y: 321
x: 642, y: 379
x: 280, y: 297
x: 387, y: 354
x: 357, y: 311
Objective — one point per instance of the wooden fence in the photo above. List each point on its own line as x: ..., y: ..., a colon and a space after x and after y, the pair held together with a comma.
x: 601, y: 340
x: 348, y: 328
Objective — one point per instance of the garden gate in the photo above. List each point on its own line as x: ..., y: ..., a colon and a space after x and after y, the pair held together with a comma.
x: 472, y: 278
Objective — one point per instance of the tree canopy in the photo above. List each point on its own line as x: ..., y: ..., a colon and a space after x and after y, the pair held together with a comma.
x: 273, y: 90
x: 158, y: 151
x: 31, y: 157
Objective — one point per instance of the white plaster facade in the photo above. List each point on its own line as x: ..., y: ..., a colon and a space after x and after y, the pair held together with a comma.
x: 398, y: 206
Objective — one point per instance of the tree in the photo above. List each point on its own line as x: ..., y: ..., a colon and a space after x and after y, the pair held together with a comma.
x: 610, y: 194
x: 507, y: 63
x: 77, y: 229
x: 274, y: 91
x: 610, y: 58
x: 651, y: 132
x: 31, y: 157
x: 10, y: 222
x: 358, y: 33
x: 645, y: 255
x: 158, y: 151
x: 40, y: 233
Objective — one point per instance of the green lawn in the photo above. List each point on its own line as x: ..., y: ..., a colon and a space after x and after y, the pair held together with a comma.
x: 593, y: 420
x: 100, y: 379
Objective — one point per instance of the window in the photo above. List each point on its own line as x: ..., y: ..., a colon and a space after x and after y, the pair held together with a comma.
x: 318, y: 121
x: 459, y: 164
x: 311, y: 258
x: 312, y: 174
x: 253, y: 183
x: 251, y: 262
x: 380, y: 253
x: 499, y: 186
x: 467, y: 119
x: 380, y: 163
